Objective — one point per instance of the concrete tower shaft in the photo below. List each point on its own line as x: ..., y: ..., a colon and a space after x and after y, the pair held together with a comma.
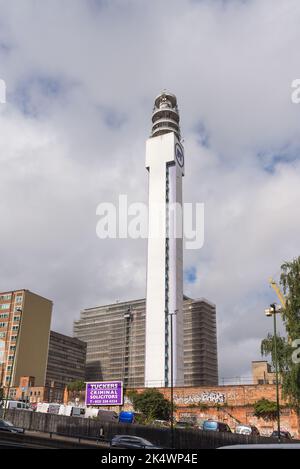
x: 165, y: 164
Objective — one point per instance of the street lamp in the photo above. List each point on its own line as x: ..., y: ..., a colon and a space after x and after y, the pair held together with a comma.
x: 272, y: 311
x: 172, y: 377
x: 18, y: 310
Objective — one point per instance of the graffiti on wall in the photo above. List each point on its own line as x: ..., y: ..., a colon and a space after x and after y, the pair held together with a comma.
x: 204, y: 397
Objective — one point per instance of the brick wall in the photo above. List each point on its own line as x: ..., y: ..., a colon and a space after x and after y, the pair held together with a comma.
x: 230, y: 404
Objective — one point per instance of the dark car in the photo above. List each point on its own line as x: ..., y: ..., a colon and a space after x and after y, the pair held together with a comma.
x: 283, y: 435
x: 183, y: 424
x: 127, y: 441
x: 6, y: 426
x: 215, y: 426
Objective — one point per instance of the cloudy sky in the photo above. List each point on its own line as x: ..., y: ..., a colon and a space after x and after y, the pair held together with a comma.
x: 81, y: 77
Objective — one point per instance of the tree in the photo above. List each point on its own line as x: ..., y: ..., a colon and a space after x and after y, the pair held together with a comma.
x: 265, y: 409
x: 151, y: 403
x: 288, y: 363
x: 76, y: 386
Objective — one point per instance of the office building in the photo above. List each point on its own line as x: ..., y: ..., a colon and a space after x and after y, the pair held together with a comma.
x: 66, y: 361
x: 24, y: 336
x: 115, y: 337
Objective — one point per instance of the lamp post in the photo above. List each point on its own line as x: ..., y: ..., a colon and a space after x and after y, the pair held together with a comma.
x: 272, y: 311
x: 18, y: 310
x: 172, y: 377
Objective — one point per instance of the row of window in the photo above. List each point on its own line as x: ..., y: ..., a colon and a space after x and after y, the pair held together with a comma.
x: 5, y: 297
x: 5, y: 324
x: 18, y: 300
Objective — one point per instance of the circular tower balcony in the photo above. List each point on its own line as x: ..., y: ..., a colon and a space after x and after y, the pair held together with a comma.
x: 165, y: 116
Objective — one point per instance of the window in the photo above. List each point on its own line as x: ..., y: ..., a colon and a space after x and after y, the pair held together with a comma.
x: 9, y: 367
x: 2, y: 335
x: 16, y: 318
x: 3, y: 324
x: 15, y: 328
x: 5, y: 297
x: 12, y: 347
x: 5, y: 306
x: 18, y: 299
x: 4, y: 316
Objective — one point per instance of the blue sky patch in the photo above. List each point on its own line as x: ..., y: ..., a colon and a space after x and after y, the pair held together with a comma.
x: 190, y: 275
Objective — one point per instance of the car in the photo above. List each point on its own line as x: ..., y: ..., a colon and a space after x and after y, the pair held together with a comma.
x: 183, y: 424
x: 6, y: 426
x: 246, y: 430
x: 128, y: 441
x: 283, y: 435
x: 161, y: 423
x: 215, y: 426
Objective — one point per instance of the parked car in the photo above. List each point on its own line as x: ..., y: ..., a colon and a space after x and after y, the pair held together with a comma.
x: 283, y: 435
x: 183, y: 424
x: 6, y: 426
x: 161, y: 423
x: 215, y: 426
x: 246, y: 430
x: 128, y: 441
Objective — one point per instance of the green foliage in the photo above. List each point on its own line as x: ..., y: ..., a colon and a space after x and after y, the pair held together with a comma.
x: 131, y: 394
x: 76, y: 386
x: 140, y: 419
x: 265, y: 409
x: 284, y: 351
x: 288, y: 368
x: 290, y: 281
x: 151, y: 403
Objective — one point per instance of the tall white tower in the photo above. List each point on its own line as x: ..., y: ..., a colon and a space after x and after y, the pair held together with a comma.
x: 165, y: 163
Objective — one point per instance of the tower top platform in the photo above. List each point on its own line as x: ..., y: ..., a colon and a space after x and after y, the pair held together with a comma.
x: 165, y: 115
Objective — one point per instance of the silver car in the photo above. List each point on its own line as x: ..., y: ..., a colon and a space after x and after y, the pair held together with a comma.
x: 246, y: 430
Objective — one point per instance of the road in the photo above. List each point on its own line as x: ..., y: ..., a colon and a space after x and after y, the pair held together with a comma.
x: 38, y: 440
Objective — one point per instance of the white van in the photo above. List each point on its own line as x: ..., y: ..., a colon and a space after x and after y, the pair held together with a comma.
x: 71, y: 411
x: 16, y: 405
x: 42, y: 407
x: 101, y: 414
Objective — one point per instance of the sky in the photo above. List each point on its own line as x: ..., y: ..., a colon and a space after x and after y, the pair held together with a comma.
x: 81, y: 78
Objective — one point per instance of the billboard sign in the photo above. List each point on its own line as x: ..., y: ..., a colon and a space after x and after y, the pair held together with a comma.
x: 104, y: 393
